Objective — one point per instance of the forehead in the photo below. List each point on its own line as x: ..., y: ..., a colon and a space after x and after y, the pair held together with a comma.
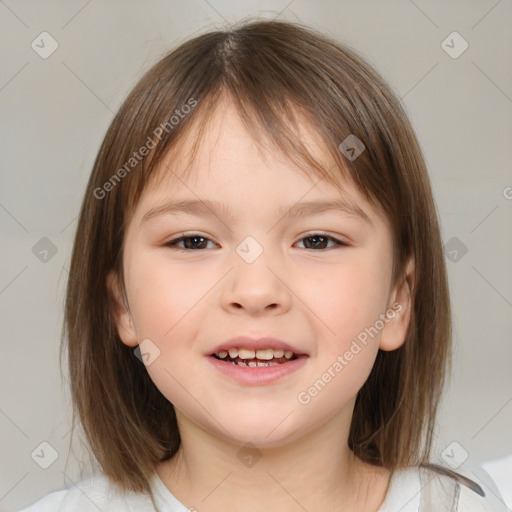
x: 219, y: 136
x: 219, y: 159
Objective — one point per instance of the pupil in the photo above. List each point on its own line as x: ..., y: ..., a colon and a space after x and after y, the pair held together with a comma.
x: 316, y: 238
x: 187, y: 241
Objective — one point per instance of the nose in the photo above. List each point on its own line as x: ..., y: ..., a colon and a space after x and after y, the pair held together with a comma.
x: 256, y: 288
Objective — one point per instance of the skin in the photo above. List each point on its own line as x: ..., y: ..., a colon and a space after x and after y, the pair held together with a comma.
x: 186, y: 303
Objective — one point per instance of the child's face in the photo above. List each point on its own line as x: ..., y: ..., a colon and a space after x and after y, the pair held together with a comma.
x: 310, y: 293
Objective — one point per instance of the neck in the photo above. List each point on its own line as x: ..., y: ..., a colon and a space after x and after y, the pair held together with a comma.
x: 315, y: 471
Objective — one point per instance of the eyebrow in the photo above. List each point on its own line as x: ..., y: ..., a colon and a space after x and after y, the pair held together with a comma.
x: 207, y: 207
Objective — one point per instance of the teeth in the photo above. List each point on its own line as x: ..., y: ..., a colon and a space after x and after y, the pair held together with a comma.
x: 244, y: 353
x: 254, y: 364
x: 265, y: 354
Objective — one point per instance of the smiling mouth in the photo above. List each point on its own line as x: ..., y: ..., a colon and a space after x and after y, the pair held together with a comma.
x: 255, y: 359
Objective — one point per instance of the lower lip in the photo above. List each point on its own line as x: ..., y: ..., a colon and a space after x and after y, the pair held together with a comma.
x: 260, y: 374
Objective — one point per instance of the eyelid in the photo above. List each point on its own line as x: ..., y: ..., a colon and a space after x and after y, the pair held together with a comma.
x: 178, y: 238
x: 338, y: 238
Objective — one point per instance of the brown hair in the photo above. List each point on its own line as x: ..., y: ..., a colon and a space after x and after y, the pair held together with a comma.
x: 272, y: 71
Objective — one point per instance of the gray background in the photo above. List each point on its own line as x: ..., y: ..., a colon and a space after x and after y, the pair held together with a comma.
x: 55, y: 111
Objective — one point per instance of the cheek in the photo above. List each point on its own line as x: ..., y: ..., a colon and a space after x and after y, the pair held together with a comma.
x: 168, y: 302
x: 348, y: 298
x: 164, y: 294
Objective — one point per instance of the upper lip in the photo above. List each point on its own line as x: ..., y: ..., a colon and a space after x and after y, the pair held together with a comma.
x: 255, y: 344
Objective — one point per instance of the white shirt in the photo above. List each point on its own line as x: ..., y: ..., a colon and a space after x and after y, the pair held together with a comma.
x: 412, y: 489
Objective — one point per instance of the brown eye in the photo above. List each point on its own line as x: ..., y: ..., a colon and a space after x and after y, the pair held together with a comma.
x: 320, y: 241
x: 192, y: 242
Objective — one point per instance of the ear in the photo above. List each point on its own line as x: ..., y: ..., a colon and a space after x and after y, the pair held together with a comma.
x: 398, y: 314
x: 123, y: 318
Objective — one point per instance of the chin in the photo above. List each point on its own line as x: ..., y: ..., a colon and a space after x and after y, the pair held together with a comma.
x: 266, y: 432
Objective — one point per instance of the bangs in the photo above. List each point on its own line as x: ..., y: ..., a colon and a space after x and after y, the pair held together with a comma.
x: 283, y: 133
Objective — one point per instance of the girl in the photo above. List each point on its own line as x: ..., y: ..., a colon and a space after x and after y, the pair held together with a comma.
x: 257, y: 312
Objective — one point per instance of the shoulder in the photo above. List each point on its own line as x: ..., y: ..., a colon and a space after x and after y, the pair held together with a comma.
x: 93, y: 494
x: 433, y: 487
x: 471, y: 490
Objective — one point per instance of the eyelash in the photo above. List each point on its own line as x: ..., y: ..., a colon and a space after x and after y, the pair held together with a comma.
x: 172, y: 244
